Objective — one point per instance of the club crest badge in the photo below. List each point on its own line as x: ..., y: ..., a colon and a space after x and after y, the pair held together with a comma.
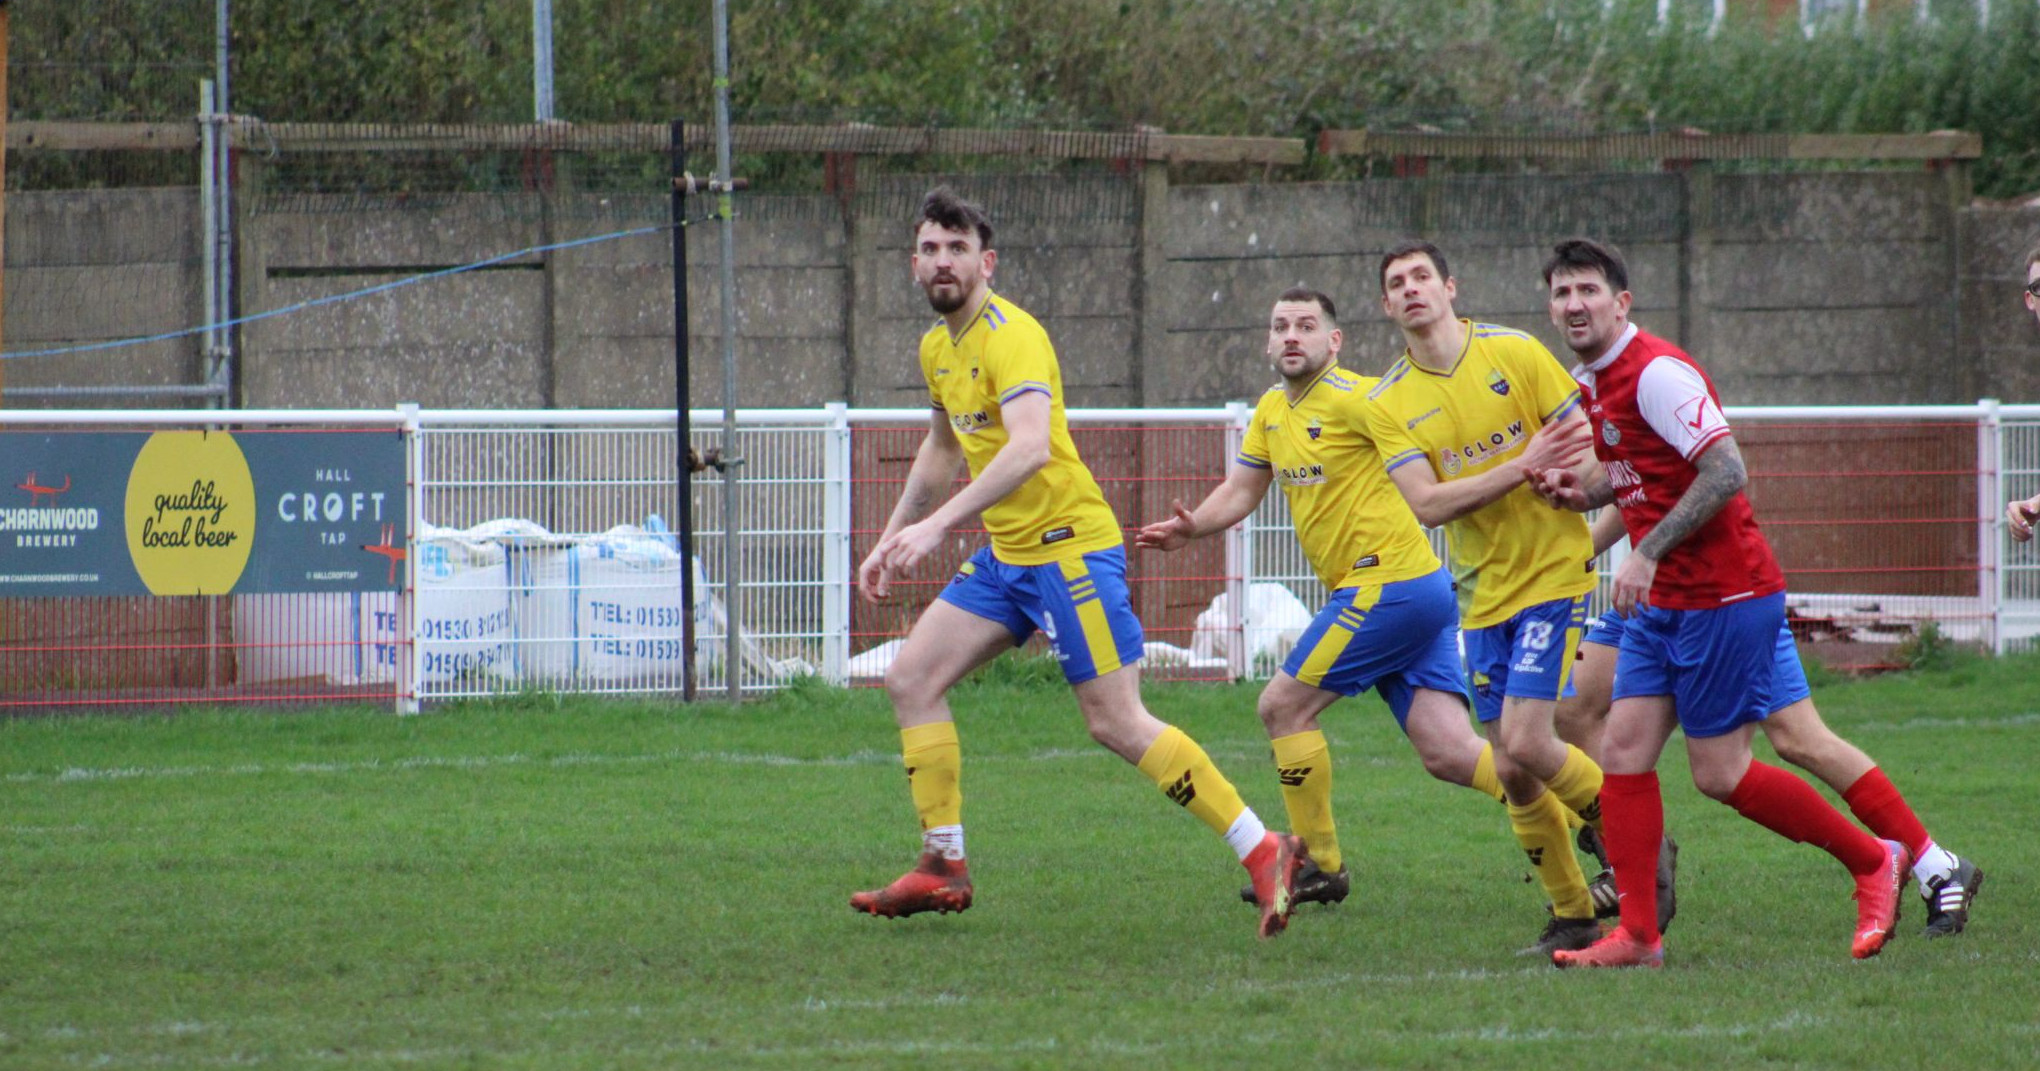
x: 1315, y: 428
x: 1609, y: 434
x: 1496, y: 383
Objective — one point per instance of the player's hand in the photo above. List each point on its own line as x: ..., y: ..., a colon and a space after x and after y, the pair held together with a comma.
x: 1556, y: 446
x: 1560, y: 488
x: 874, y: 580
x: 1171, y: 534
x: 906, y: 547
x: 2021, y: 516
x: 1633, y: 579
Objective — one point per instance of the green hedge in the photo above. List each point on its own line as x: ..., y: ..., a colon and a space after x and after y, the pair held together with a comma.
x: 1270, y: 67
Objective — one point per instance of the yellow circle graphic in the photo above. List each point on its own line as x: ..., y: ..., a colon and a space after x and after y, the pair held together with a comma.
x: 190, y: 513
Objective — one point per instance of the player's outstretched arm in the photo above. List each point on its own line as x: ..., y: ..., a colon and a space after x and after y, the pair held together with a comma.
x: 1225, y: 506
x: 934, y: 469
x: 2020, y: 515
x: 1555, y: 446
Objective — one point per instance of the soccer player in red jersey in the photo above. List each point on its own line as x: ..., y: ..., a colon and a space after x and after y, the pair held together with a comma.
x: 1947, y: 882
x: 2023, y: 512
x: 1708, y: 599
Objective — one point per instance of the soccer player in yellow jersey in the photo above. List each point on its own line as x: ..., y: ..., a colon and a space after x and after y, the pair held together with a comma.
x: 1057, y: 563
x: 1390, y: 623
x: 1460, y: 419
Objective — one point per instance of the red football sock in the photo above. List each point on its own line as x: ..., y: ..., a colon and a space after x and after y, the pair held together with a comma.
x: 1877, y: 804
x: 1789, y: 807
x: 1633, y: 821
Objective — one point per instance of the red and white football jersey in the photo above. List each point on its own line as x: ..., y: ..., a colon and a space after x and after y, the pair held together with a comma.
x: 1654, y: 411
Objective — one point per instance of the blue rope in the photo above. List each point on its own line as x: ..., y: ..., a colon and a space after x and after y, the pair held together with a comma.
x: 333, y: 298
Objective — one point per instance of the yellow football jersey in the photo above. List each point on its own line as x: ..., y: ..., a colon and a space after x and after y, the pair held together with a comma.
x: 1004, y: 353
x: 1517, y: 552
x: 1354, y: 525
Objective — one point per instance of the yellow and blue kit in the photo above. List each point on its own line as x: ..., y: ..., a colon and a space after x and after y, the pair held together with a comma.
x: 1058, y: 558
x: 1516, y: 552
x: 1390, y: 622
x: 1522, y: 568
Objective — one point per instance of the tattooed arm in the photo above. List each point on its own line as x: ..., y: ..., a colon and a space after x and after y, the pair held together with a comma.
x: 1721, y: 475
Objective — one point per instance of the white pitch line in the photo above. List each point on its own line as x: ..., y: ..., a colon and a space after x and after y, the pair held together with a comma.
x: 86, y: 774
x: 1229, y: 755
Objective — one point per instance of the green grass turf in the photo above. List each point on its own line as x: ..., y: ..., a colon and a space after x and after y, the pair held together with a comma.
x: 578, y: 884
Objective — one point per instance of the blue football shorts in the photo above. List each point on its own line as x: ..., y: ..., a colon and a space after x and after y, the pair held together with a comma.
x: 1788, y: 684
x: 1719, y: 665
x: 1394, y: 638
x: 1529, y: 656
x: 1080, y: 604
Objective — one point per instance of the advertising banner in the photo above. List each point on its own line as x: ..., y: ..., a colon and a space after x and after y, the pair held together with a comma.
x: 201, y: 513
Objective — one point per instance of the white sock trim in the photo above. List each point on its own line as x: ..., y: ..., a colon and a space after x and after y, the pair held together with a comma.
x: 945, y: 841
x: 1935, y: 862
x: 1245, y: 833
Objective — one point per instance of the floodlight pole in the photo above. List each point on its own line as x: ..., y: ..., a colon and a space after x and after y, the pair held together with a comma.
x: 733, y: 558
x: 3, y: 164
x: 542, y: 59
x: 683, y: 520
x: 219, y: 344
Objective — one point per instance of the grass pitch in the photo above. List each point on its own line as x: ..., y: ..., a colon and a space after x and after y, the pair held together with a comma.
x: 575, y: 884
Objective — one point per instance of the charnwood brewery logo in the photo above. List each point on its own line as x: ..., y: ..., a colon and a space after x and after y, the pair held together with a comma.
x: 190, y: 513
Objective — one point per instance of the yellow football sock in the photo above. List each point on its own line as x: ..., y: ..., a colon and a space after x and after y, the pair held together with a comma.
x: 1540, y: 828
x: 1303, y: 763
x: 934, y: 772
x: 1185, y: 774
x: 1578, y: 785
x: 1484, y: 779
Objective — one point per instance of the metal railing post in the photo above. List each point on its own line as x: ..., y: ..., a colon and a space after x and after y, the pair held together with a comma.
x: 1239, y: 553
x: 1990, y: 466
x: 836, y: 564
x: 412, y: 673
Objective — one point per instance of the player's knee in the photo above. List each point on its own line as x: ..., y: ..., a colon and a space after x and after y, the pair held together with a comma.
x: 1520, y: 738
x: 1446, y: 768
x: 1278, y: 717
x: 1716, y: 784
x: 907, y: 688
x: 1793, y: 748
x: 1575, y: 719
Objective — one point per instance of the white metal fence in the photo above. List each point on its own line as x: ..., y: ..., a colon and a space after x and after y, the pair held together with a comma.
x: 1886, y: 518
x: 545, y: 557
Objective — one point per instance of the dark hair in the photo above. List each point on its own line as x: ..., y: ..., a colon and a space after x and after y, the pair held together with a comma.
x: 1304, y: 293
x: 2033, y: 257
x: 945, y: 209
x: 1403, y: 249
x: 1585, y: 254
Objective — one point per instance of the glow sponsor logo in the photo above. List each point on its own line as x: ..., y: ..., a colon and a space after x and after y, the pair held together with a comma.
x: 1481, y: 451
x: 1301, y: 475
